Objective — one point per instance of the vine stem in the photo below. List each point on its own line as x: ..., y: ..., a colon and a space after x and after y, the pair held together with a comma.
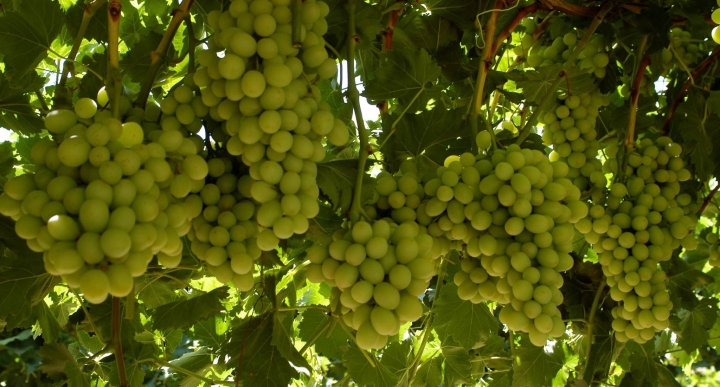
x: 525, y: 131
x: 635, y: 93
x: 681, y: 95
x: 487, y: 57
x: 114, y: 78
x: 117, y: 343
x: 179, y: 14
x: 163, y: 363
x: 89, y: 12
x: 296, y: 7
x: 427, y: 326
x: 587, y: 376
x: 89, y: 317
x: 708, y: 199
x: 505, y: 33
x: 354, y: 97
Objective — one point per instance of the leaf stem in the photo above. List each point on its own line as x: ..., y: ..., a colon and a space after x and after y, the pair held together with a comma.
x: 114, y: 77
x: 317, y: 334
x: 635, y: 92
x: 427, y: 326
x: 708, y: 199
x: 681, y: 95
x: 487, y: 57
x: 160, y: 52
x: 163, y: 363
x: 117, y: 343
x: 296, y: 7
x: 588, y: 376
x: 354, y: 97
x: 569, y: 63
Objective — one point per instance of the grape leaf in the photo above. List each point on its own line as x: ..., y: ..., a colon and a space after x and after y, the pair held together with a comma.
x: 210, y: 331
x: 536, y: 84
x: 198, y: 361
x: 55, y: 356
x: 23, y: 284
x: 695, y: 324
x: 699, y: 132
x: 364, y: 374
x: 396, y: 357
x: 431, y: 135
x: 429, y: 373
x: 457, y: 362
x: 49, y: 327
x: 336, y: 179
x: 682, y: 279
x: 504, y: 379
x: 154, y: 293
x: 182, y: 314
x: 459, y: 11
x: 7, y: 159
x: 137, y: 60
x: 367, y: 24
x: 26, y: 33
x: 131, y: 28
x: 282, y: 339
x: 534, y: 365
x: 262, y: 363
x: 467, y: 323
x: 133, y: 365
x: 430, y: 32
x: 329, y: 346
x: 92, y: 344
x: 642, y: 361
x: 76, y: 376
x: 24, y: 145
x: 16, y: 113
x: 97, y: 29
x: 402, y: 74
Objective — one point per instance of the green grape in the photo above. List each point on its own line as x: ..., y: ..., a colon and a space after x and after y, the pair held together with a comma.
x: 95, y: 286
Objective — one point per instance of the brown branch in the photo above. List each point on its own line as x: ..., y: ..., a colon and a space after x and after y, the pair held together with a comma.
x: 635, y: 97
x: 570, y: 9
x: 708, y: 199
x: 505, y: 33
x: 179, y: 14
x: 390, y: 30
x: 117, y: 344
x: 114, y: 78
x: 679, y: 99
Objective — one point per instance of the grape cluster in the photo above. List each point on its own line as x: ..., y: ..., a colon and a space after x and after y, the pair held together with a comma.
x: 642, y: 223
x: 683, y: 51
x: 569, y: 127
x: 513, y: 210
x: 713, y: 249
x: 224, y: 235
x: 715, y: 16
x: 647, y: 87
x: 183, y: 109
x: 255, y: 81
x: 592, y: 59
x: 378, y: 271
x: 101, y: 204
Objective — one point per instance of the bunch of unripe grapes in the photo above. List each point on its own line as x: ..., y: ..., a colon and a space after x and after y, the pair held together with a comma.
x: 100, y: 203
x: 713, y: 249
x: 224, y: 234
x: 641, y: 223
x: 397, y: 195
x: 592, y: 59
x: 683, y: 51
x: 513, y: 210
x: 716, y: 19
x: 183, y: 109
x: 378, y: 271
x: 647, y: 87
x: 569, y: 127
x: 256, y: 82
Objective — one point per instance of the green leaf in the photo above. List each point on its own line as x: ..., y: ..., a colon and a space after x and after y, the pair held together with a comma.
x: 430, y: 32
x: 699, y: 131
x: 682, y: 279
x: 642, y: 361
x: 282, y: 339
x: 182, y: 314
x: 429, y: 373
x: 198, y: 361
x: 92, y: 344
x: 7, y: 160
x: 467, y: 323
x: 364, y: 374
x: 396, y: 356
x: 24, y: 145
x: 23, y: 283
x: 431, y: 136
x: 16, y: 113
x: 76, y: 376
x: 534, y: 365
x: 402, y: 74
x: 329, y: 346
x: 55, y: 356
x: 262, y: 363
x: 336, y: 179
x: 26, y: 34
x: 154, y: 293
x: 137, y: 61
x: 133, y: 365
x: 210, y: 331
x: 131, y: 28
x: 504, y: 379
x: 457, y: 362
x: 459, y: 11
x: 323, y: 225
x: 49, y: 326
x: 695, y: 323
x: 367, y: 24
x: 536, y: 84
x: 97, y: 29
